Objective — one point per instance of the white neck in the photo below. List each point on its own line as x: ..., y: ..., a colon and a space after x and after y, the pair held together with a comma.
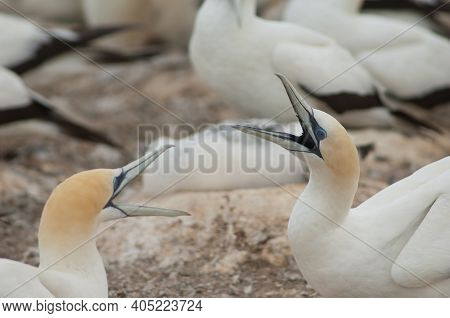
x: 71, y: 263
x: 77, y: 258
x: 231, y: 10
x: 328, y: 194
x: 248, y: 9
x: 79, y: 272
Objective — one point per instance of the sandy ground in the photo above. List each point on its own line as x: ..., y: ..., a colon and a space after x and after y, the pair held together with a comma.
x: 235, y: 243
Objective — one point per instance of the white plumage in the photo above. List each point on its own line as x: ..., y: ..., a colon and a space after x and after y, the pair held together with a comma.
x: 411, y: 63
x: 19, y: 103
x: 26, y: 45
x: 220, y: 158
x: 237, y: 54
x: 19, y: 39
x: 393, y: 245
x: 70, y: 264
x: 13, y: 92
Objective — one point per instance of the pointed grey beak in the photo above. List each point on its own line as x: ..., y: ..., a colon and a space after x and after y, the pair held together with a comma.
x: 287, y: 141
x: 125, y: 176
x: 305, y: 113
x: 132, y: 170
x: 308, y: 141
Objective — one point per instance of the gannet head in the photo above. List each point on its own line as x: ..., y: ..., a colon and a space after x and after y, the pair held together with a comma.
x: 325, y: 142
x: 79, y: 203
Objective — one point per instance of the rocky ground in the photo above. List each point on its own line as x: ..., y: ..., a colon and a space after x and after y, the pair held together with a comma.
x: 235, y: 243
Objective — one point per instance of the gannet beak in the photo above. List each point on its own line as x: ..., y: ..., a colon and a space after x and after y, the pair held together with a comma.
x: 235, y: 5
x: 287, y: 141
x: 312, y: 134
x: 125, y: 176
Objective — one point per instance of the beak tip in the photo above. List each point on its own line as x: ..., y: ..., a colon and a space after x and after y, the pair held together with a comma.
x: 167, y: 147
x: 182, y: 213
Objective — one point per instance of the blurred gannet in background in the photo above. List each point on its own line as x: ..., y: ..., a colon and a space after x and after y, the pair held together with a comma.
x: 57, y: 10
x: 413, y: 67
x: 236, y: 54
x: 25, y: 46
x: 426, y: 6
x: 393, y: 245
x: 412, y: 11
x: 159, y: 20
x: 70, y: 264
x: 18, y: 103
x: 219, y: 158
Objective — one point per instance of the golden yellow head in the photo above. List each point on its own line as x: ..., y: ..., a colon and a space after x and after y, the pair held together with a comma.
x: 73, y: 208
x: 338, y: 152
x: 327, y: 144
x: 79, y: 203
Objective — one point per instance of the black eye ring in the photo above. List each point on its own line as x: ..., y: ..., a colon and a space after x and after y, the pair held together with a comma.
x: 321, y: 134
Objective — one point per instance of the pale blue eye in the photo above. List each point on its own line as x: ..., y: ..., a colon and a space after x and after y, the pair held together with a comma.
x: 321, y: 134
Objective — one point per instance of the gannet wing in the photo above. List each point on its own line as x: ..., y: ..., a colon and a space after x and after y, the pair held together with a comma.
x: 327, y: 71
x: 402, y: 78
x: 406, y: 185
x: 18, y: 102
x: 26, y: 46
x: 425, y: 259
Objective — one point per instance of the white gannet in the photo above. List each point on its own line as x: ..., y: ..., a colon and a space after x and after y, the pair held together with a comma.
x: 425, y: 6
x: 411, y: 11
x: 159, y: 20
x: 410, y: 62
x: 70, y: 264
x: 393, y: 245
x: 236, y: 54
x: 18, y: 103
x: 58, y: 10
x: 26, y: 46
x: 218, y: 158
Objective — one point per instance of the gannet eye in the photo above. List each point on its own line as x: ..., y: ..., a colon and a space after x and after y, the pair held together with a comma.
x: 321, y: 134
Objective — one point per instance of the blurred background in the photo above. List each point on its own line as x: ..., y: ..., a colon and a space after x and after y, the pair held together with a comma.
x: 237, y: 238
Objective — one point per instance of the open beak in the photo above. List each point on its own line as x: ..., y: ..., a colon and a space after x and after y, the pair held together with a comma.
x: 125, y: 176
x: 235, y: 5
x: 308, y: 141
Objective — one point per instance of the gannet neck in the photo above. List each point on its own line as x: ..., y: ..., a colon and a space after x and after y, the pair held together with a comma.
x: 248, y: 9
x: 68, y: 221
x: 329, y: 193
x: 235, y: 12
x: 333, y: 179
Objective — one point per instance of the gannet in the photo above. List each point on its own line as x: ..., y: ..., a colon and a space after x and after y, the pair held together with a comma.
x: 413, y: 11
x: 218, y: 158
x: 426, y: 6
x: 231, y: 47
x: 410, y: 62
x: 70, y: 265
x: 236, y: 54
x: 18, y: 102
x: 160, y: 20
x: 26, y: 46
x: 393, y: 245
x: 58, y: 10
